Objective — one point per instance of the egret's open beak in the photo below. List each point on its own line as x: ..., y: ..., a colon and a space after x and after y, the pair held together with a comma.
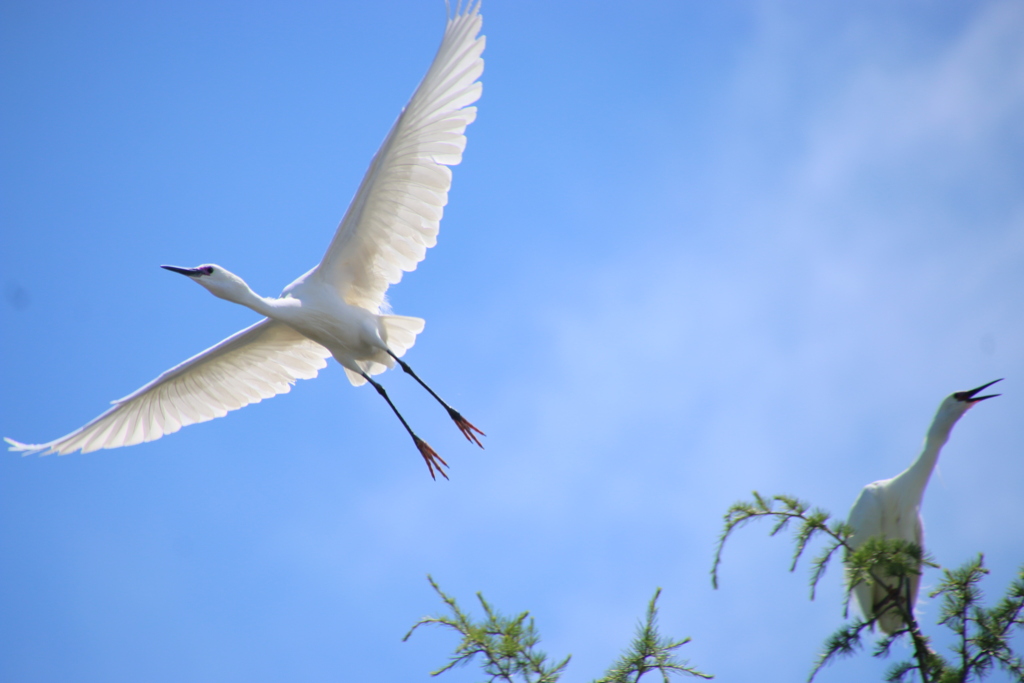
x: 969, y: 395
x: 191, y: 272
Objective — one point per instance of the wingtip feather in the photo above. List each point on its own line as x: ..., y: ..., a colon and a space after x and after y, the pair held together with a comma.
x: 25, y: 448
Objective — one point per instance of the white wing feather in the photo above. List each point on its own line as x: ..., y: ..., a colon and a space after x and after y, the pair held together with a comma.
x: 866, y: 520
x: 866, y: 515
x: 390, y: 224
x: 395, y: 214
x: 259, y: 362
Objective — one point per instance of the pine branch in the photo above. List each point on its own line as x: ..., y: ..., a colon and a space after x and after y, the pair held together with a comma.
x: 506, y: 646
x: 505, y: 643
x: 648, y: 652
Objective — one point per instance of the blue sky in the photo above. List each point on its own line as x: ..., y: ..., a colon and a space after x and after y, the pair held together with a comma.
x: 694, y: 249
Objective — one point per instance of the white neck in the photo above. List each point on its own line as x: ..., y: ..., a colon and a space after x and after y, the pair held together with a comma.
x: 915, y: 478
x: 243, y: 294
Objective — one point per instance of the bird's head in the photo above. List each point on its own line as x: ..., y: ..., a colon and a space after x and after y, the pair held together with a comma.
x: 955, y: 405
x: 221, y: 283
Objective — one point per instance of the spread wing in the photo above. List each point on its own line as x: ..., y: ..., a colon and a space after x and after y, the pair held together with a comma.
x: 395, y: 214
x: 259, y: 362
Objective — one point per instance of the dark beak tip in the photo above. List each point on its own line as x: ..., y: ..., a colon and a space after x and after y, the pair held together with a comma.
x: 183, y: 271
x: 980, y: 389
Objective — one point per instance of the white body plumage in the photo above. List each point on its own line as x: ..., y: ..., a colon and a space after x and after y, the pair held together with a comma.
x: 335, y: 308
x: 892, y: 507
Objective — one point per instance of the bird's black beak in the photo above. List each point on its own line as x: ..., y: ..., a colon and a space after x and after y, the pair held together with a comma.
x: 969, y: 395
x: 191, y: 272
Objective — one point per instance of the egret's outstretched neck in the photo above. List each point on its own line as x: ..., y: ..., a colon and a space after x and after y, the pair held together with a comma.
x: 941, y: 426
x: 916, y: 476
x: 237, y: 291
x: 257, y: 303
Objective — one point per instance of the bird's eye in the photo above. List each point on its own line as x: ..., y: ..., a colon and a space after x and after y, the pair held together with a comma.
x: 207, y: 270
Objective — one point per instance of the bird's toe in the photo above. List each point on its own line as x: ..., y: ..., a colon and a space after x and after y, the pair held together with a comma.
x: 433, y: 460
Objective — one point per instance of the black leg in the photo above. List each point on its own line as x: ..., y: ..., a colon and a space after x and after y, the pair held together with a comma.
x: 432, y: 459
x: 465, y: 426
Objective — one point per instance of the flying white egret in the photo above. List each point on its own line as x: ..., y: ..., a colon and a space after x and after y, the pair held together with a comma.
x: 892, y: 508
x: 336, y: 308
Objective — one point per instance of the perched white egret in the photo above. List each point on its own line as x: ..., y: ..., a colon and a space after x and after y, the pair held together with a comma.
x: 336, y: 308
x: 892, y: 508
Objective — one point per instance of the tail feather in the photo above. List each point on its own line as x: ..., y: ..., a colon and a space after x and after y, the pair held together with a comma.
x: 399, y: 333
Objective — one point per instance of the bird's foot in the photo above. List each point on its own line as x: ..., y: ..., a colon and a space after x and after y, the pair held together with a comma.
x: 466, y: 427
x: 432, y: 459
